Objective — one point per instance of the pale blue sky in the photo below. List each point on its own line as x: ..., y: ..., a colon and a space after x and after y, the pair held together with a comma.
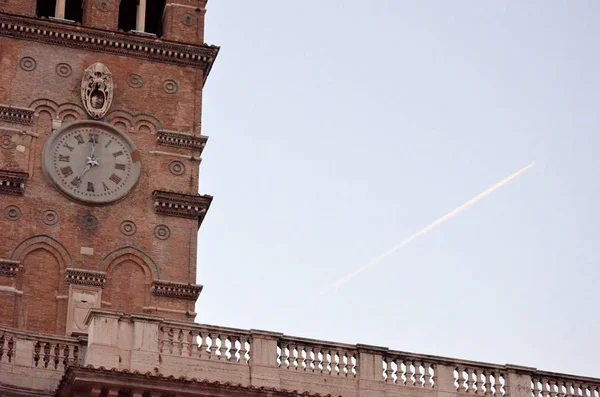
x: 340, y: 127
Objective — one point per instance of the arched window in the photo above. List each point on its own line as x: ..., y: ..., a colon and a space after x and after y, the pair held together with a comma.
x: 141, y: 16
x: 71, y: 10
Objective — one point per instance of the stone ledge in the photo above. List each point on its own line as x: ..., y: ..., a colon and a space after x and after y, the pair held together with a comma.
x: 175, y: 139
x: 181, y: 205
x: 13, y: 182
x: 176, y: 290
x: 86, y: 277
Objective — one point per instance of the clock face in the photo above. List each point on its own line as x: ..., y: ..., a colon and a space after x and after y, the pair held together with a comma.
x: 91, y: 162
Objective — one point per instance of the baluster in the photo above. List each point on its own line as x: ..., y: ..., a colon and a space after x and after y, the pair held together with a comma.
x: 497, y: 385
x: 327, y: 365
x: 478, y: 382
x: 203, y: 349
x: 426, y: 375
x: 283, y: 356
x: 561, y: 392
x: 318, y: 362
x: 418, y: 374
x: 434, y: 376
x: 161, y: 338
x: 545, y: 392
x: 194, y: 347
x: 470, y: 381
x: 409, y: 373
x: 388, y: 371
x: 180, y: 342
x: 461, y: 379
x: 11, y: 346
x: 222, y: 347
x: 552, y: 384
x: 300, y: 357
x: 536, y: 387
x: 338, y: 365
x: 488, y: 383
x: 243, y: 350
x: 234, y: 349
x: 170, y: 339
x: 309, y: 359
x: 59, y: 357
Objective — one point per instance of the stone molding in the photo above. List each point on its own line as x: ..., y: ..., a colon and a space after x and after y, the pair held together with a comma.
x: 181, y: 205
x: 175, y: 139
x: 86, y: 277
x: 9, y: 268
x: 13, y: 182
x: 176, y: 290
x: 16, y: 115
x: 43, y: 31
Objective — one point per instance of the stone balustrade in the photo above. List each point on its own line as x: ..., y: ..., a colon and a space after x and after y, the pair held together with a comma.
x: 268, y: 360
x: 35, y: 361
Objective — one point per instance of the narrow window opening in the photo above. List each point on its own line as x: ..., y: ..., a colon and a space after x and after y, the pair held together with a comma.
x: 74, y: 10
x: 127, y: 15
x: 46, y: 8
x: 154, y: 15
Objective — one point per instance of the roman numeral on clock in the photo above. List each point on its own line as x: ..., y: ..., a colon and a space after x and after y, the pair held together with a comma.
x: 80, y: 140
x: 68, y: 147
x: 64, y: 157
x: 76, y: 182
x: 115, y: 179
x: 106, y: 189
x: 93, y: 138
x: 120, y: 166
x: 117, y: 154
x: 66, y: 171
x: 90, y: 187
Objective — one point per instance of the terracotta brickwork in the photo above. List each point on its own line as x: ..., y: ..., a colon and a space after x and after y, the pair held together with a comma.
x: 72, y: 255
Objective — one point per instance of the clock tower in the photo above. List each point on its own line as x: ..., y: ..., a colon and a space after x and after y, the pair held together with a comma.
x: 100, y: 148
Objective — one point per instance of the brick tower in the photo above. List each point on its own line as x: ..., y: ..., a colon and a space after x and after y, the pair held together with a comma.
x: 100, y: 145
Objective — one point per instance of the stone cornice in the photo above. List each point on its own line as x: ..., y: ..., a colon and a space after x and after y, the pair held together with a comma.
x: 191, y: 206
x: 12, y: 182
x: 175, y: 139
x: 85, y: 277
x: 16, y: 115
x: 176, y: 290
x: 9, y: 268
x: 128, y: 44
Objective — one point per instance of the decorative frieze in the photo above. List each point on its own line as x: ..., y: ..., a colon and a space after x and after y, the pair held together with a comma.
x: 9, y: 268
x: 86, y: 277
x: 176, y: 290
x: 181, y: 205
x: 79, y: 37
x: 174, y: 139
x: 16, y: 115
x: 13, y: 182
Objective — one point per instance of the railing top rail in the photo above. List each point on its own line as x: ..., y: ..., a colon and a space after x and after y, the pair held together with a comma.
x: 205, y: 327
x: 445, y: 360
x: 317, y: 342
x: 28, y: 335
x: 565, y: 377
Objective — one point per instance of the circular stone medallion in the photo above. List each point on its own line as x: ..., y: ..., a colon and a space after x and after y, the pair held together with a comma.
x: 135, y: 81
x: 50, y: 217
x: 162, y: 232
x: 177, y: 167
x: 63, y: 70
x: 128, y: 228
x: 188, y: 19
x: 89, y: 221
x: 27, y: 64
x: 12, y: 212
x: 170, y: 86
x: 5, y: 142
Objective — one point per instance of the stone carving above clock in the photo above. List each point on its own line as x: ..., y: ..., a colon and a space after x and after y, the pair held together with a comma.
x: 97, y: 90
x: 91, y: 162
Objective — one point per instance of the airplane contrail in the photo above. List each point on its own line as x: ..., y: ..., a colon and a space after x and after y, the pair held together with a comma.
x: 427, y: 228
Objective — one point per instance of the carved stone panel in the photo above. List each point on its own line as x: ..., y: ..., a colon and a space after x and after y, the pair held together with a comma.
x: 81, y: 300
x: 97, y: 90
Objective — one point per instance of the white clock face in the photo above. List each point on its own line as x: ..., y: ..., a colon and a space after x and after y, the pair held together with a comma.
x: 91, y: 162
